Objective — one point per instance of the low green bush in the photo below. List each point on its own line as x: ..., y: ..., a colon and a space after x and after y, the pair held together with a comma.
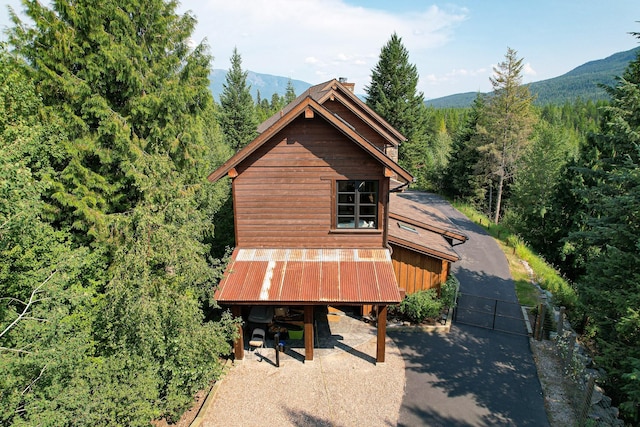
x: 421, y: 305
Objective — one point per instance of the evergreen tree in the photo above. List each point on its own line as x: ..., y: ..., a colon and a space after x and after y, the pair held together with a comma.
x: 290, y: 94
x: 460, y: 177
x: 237, y: 116
x: 607, y: 237
x: 393, y: 94
x: 131, y: 98
x: 509, y: 119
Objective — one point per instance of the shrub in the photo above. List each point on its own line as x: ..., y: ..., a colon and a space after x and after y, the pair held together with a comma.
x: 421, y: 305
x: 449, y: 291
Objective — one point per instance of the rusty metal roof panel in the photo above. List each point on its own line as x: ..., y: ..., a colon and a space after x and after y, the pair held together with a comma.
x: 386, y: 277
x: 369, y: 290
x: 292, y: 281
x: 330, y: 282
x: 307, y: 276
x: 310, y: 289
x: 349, y: 283
x: 254, y: 280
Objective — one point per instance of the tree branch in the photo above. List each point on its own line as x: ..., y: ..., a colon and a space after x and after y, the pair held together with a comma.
x: 28, y: 305
x: 34, y: 381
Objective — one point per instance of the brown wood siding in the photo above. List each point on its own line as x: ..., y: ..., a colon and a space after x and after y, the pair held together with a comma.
x: 283, y: 192
x: 363, y: 129
x: 416, y: 272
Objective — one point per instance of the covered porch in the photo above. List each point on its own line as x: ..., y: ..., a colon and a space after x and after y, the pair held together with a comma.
x: 308, y: 279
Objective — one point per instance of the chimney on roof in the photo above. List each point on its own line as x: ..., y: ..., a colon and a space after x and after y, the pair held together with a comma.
x: 349, y: 86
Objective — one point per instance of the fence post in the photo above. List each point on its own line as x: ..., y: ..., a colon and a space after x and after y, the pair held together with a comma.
x: 540, y: 321
x: 495, y: 311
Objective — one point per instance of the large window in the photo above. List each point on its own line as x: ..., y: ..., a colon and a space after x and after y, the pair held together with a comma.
x: 357, y: 204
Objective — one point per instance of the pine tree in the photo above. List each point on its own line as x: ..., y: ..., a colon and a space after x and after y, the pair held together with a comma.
x: 393, y: 94
x: 237, y: 116
x: 131, y: 98
x: 607, y: 235
x: 460, y: 177
x: 290, y: 94
x: 509, y: 120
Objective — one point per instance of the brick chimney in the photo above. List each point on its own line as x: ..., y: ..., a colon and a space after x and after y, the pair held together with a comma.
x: 350, y: 86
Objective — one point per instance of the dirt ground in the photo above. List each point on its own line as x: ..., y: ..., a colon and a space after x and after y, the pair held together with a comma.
x: 554, y: 384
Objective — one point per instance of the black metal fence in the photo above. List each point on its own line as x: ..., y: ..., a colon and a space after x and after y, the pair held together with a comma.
x: 490, y: 313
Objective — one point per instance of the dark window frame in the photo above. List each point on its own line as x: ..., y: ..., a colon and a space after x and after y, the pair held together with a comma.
x: 357, y: 204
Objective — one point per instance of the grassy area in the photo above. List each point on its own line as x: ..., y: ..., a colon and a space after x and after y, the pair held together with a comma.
x: 517, y: 251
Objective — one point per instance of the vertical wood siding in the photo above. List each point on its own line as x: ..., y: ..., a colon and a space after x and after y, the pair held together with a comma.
x: 416, y: 272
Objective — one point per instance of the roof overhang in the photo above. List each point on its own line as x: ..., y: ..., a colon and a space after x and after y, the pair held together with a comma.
x: 304, y: 106
x: 309, y: 277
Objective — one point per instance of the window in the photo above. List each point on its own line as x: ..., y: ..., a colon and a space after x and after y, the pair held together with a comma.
x: 357, y: 204
x: 407, y: 227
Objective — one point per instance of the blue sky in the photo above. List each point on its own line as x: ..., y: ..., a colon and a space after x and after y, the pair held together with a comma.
x: 454, y: 44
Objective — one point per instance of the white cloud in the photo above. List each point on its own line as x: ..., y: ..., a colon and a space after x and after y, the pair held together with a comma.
x: 528, y: 70
x: 315, y: 40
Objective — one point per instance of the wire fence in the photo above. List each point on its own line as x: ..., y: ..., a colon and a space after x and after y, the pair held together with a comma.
x: 593, y: 408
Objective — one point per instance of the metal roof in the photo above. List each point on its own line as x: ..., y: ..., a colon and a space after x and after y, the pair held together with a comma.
x: 309, y: 276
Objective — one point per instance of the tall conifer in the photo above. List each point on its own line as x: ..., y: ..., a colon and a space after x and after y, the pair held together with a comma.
x: 393, y: 94
x: 237, y: 116
x: 607, y: 234
x: 509, y: 120
x: 130, y: 186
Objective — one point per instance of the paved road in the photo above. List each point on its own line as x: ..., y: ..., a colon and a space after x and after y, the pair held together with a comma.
x: 471, y: 376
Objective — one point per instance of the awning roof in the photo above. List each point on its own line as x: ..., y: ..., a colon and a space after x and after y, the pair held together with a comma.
x: 309, y: 276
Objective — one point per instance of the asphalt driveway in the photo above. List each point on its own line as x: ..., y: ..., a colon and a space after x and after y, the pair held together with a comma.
x: 472, y: 376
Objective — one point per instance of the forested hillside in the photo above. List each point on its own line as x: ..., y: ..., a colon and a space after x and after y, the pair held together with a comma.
x: 262, y: 86
x: 570, y: 188
x: 584, y: 82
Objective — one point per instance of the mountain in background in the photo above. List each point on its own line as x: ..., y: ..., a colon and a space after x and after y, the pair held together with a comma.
x: 582, y: 82
x: 265, y: 83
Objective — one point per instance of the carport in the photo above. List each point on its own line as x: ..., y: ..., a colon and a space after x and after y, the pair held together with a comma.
x: 310, y: 278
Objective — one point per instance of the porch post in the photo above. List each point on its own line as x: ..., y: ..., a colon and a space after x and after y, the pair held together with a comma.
x: 382, y: 333
x: 308, y: 332
x: 238, y: 344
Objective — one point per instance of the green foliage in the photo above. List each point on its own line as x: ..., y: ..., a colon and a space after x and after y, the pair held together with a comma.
x: 106, y: 219
x: 393, y: 94
x: 449, y: 291
x: 237, y: 115
x: 421, y: 305
x: 533, y: 194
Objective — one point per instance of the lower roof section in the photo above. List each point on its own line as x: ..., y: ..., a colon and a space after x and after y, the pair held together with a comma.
x: 309, y: 276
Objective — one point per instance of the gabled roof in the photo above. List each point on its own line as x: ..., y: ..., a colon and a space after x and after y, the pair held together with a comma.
x: 308, y: 102
x: 335, y: 91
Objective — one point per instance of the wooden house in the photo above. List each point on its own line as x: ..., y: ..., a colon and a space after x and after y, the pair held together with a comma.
x: 311, y: 198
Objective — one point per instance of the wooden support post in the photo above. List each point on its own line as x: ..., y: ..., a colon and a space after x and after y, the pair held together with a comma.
x: 238, y: 345
x: 382, y: 333
x: 308, y: 332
